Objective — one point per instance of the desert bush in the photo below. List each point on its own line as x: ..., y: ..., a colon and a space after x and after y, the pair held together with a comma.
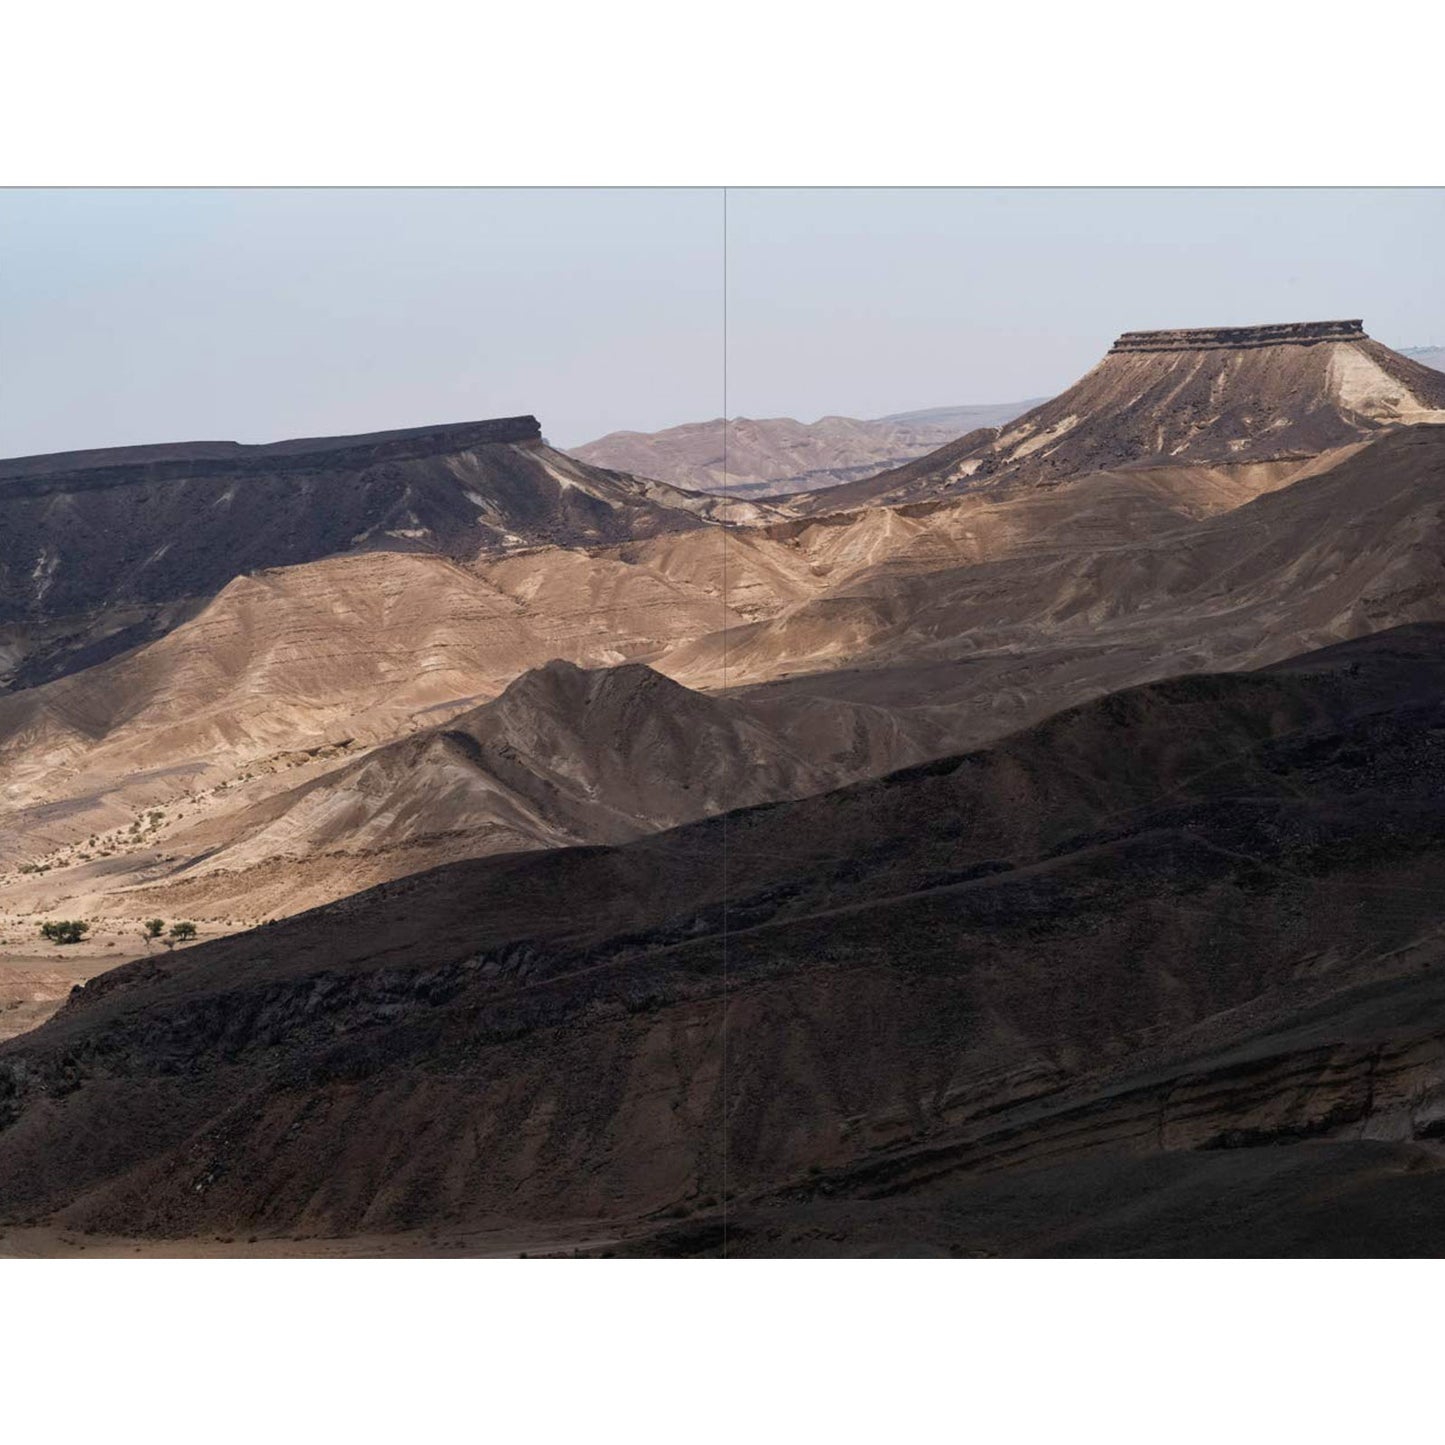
x: 65, y: 930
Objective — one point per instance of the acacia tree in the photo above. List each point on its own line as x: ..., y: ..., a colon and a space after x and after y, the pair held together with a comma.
x: 65, y: 930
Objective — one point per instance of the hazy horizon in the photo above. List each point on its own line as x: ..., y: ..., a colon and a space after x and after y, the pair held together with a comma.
x: 134, y: 316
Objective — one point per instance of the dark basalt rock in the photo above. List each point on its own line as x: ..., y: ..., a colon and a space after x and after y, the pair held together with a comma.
x: 1215, y: 941
x: 1239, y: 338
x: 116, y: 466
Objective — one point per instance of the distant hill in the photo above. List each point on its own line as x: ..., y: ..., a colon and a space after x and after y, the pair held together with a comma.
x: 777, y: 455
x: 959, y: 419
x: 1426, y: 355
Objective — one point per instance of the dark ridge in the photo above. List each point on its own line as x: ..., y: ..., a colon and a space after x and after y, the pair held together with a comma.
x: 1196, y: 920
x: 113, y: 466
x: 1240, y: 338
x: 95, y: 542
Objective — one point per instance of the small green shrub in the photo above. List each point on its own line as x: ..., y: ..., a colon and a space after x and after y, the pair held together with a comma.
x: 65, y: 930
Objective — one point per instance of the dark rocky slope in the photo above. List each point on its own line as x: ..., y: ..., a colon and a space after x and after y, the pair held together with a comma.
x: 100, y: 551
x: 1073, y: 949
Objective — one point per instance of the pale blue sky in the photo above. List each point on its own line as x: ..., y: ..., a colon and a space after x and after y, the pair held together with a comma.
x: 869, y: 302
x: 134, y: 316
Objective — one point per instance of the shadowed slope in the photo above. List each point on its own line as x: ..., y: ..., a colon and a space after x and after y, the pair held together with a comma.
x: 919, y: 967
x: 563, y: 756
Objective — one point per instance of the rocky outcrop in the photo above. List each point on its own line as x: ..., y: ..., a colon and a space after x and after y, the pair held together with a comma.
x: 1240, y: 338
x: 115, y: 466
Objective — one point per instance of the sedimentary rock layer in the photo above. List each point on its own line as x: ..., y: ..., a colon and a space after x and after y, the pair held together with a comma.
x: 1239, y: 338
x: 102, y: 551
x: 1220, y: 397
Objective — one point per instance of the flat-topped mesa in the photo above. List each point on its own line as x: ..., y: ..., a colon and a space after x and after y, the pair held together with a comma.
x: 1241, y: 338
x: 123, y: 542
x: 172, y: 459
x: 1217, y: 396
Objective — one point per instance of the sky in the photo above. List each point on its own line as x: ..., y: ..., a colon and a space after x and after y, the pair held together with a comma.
x: 131, y: 316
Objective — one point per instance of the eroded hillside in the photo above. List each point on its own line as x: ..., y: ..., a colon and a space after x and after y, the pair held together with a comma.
x: 101, y: 551
x: 1220, y: 396
x: 878, y: 638
x: 1195, y: 915
x: 1171, y: 918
